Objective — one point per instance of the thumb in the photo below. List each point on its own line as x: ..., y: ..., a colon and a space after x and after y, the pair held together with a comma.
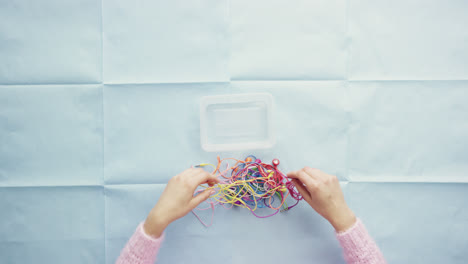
x: 200, y: 198
x: 302, y: 190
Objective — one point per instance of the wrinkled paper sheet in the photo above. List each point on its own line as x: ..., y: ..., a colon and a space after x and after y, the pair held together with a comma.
x: 99, y: 108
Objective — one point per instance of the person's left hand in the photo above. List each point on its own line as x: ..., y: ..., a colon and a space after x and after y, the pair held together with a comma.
x: 177, y: 199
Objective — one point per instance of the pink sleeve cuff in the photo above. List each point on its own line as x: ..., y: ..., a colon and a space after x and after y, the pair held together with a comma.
x: 141, y: 248
x: 358, y: 246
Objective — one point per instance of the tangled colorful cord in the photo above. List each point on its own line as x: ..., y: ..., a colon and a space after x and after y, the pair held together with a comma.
x: 249, y: 184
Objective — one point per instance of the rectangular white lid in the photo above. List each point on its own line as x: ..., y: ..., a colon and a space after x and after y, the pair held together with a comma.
x: 236, y: 122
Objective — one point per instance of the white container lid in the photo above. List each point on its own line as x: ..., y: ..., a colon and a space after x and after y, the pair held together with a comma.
x: 236, y: 122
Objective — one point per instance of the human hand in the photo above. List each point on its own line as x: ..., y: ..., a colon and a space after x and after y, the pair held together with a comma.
x: 177, y: 199
x: 323, y: 193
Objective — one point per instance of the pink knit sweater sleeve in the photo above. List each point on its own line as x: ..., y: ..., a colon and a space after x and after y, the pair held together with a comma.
x: 140, y: 249
x: 358, y: 246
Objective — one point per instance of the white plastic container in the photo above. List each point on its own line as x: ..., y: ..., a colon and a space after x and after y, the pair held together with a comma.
x: 237, y: 122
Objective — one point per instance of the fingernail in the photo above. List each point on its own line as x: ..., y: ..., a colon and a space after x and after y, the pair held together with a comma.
x: 212, y: 192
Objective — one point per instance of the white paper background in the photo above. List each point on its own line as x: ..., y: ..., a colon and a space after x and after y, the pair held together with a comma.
x: 99, y: 108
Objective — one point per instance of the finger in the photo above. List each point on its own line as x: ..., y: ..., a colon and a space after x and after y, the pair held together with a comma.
x: 200, y: 198
x: 314, y: 173
x: 188, y: 171
x: 303, y: 177
x: 302, y: 190
x: 204, y: 177
x: 194, y: 175
x: 211, y: 183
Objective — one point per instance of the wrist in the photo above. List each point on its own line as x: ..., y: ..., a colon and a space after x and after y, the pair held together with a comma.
x: 155, y: 225
x: 343, y: 221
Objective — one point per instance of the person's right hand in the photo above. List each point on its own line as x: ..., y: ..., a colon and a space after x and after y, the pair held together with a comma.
x: 323, y: 192
x: 177, y: 199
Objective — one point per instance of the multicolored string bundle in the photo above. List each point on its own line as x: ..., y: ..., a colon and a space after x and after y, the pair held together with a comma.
x: 249, y: 184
